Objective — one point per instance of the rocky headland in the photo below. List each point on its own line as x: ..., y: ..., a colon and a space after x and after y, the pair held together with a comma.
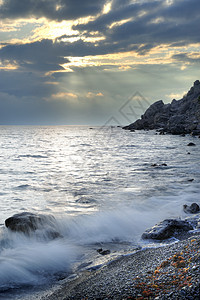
x: 178, y: 117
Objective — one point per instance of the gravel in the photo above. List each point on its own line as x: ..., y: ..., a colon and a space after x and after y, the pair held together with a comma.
x: 168, y: 272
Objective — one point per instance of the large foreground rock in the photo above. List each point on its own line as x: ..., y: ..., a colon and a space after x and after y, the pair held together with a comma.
x: 178, y: 117
x: 27, y: 223
x: 166, y: 229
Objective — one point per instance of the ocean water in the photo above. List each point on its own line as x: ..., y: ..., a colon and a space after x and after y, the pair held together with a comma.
x: 101, y: 187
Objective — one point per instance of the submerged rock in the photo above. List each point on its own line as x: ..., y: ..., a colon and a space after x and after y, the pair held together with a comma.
x: 166, y: 229
x: 161, y: 165
x: 191, y: 144
x: 27, y: 223
x: 179, y: 117
x: 192, y: 209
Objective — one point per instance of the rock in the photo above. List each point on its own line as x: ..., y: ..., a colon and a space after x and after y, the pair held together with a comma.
x: 179, y: 117
x: 195, y: 132
x: 191, y: 144
x: 27, y: 223
x: 154, y: 165
x: 162, y: 133
x: 103, y: 252
x: 166, y: 229
x: 192, y: 209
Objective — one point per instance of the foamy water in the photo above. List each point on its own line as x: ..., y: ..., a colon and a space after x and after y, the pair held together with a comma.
x: 100, y: 186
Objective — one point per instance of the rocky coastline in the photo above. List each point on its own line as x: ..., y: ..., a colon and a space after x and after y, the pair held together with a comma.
x: 178, y: 117
x: 170, y: 271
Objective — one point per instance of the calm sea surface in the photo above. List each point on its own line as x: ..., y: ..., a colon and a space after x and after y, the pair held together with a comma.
x: 101, y: 187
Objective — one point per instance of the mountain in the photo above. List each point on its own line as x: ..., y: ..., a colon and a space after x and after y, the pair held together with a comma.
x: 178, y: 117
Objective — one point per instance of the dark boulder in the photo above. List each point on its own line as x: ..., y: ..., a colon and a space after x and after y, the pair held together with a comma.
x: 27, y: 223
x: 166, y: 229
x: 191, y: 144
x: 192, y: 209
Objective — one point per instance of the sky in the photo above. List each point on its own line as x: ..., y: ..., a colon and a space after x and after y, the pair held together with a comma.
x: 94, y: 62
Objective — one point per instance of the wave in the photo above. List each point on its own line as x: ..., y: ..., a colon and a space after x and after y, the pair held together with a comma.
x: 22, y: 186
x: 32, y: 156
x: 35, y: 260
x: 26, y: 261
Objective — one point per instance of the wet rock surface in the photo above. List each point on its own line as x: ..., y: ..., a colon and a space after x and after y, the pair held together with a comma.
x: 179, y: 117
x: 166, y: 229
x: 27, y: 223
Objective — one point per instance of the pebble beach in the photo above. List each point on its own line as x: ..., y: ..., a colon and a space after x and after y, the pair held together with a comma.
x: 167, y: 272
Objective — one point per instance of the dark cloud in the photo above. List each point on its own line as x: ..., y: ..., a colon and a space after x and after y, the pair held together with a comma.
x: 46, y: 56
x: 185, y: 58
x: 120, y: 11
x: 51, y: 9
x: 153, y: 22
x: 182, y: 10
x: 43, y: 55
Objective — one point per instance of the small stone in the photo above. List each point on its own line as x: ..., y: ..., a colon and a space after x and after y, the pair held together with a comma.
x: 191, y: 144
x: 103, y: 252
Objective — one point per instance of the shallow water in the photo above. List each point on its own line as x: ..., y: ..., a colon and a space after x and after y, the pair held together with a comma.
x: 100, y: 186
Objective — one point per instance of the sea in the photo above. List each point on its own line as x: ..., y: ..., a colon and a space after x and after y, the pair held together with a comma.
x: 104, y: 186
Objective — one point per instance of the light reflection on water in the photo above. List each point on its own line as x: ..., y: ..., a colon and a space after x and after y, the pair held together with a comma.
x: 75, y: 170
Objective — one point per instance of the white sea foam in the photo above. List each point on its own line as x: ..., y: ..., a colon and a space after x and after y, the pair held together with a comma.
x: 26, y: 261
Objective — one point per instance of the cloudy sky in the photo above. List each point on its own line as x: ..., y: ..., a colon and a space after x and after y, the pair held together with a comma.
x: 89, y: 61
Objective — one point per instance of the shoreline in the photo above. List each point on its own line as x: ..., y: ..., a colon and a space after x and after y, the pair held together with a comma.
x: 168, y: 272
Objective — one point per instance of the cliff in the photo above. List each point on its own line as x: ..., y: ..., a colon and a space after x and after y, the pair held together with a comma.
x: 178, y: 117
